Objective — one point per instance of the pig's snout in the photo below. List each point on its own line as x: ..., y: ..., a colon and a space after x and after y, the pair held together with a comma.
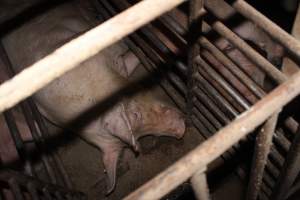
x: 174, y: 122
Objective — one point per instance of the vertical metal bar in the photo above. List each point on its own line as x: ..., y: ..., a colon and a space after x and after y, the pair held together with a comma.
x: 22, y: 152
x: 38, y: 141
x: 193, y: 50
x: 200, y: 187
x: 290, y: 170
x: 15, y: 188
x: 261, y: 151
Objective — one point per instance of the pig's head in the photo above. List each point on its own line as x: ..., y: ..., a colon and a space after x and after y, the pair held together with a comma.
x: 132, y: 119
x: 155, y: 118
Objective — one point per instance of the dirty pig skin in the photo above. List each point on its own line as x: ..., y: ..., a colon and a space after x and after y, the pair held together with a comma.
x: 93, y: 81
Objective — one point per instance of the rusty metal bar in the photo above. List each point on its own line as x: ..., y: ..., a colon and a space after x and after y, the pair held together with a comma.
x: 214, y: 75
x: 220, y: 142
x: 288, y: 41
x: 193, y: 50
x: 254, y: 87
x: 200, y: 187
x: 20, y: 146
x: 290, y: 170
x: 261, y: 151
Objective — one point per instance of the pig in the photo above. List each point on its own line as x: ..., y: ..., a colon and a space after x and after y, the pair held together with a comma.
x: 97, y: 78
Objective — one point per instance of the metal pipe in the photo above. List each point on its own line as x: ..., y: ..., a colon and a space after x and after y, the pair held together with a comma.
x: 200, y: 187
x: 220, y: 142
x: 193, y: 50
x: 242, y: 76
x: 219, y: 100
x: 290, y: 170
x: 261, y: 151
x: 243, y: 104
x: 288, y: 41
x: 20, y: 146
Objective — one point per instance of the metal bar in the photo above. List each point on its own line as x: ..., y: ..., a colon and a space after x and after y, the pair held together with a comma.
x: 288, y: 41
x: 290, y: 170
x: 220, y: 142
x: 193, y: 50
x: 244, y: 105
x: 248, y: 82
x: 261, y: 151
x: 20, y: 146
x: 200, y: 187
x: 229, y: 110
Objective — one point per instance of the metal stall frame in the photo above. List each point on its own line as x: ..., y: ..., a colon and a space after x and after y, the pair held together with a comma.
x: 190, y: 166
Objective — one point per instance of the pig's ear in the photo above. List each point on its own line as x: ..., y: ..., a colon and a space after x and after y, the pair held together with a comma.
x: 131, y: 62
x: 117, y: 123
x: 110, y: 161
x: 125, y: 64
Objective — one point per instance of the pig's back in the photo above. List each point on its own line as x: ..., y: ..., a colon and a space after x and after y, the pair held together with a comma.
x: 79, y: 89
